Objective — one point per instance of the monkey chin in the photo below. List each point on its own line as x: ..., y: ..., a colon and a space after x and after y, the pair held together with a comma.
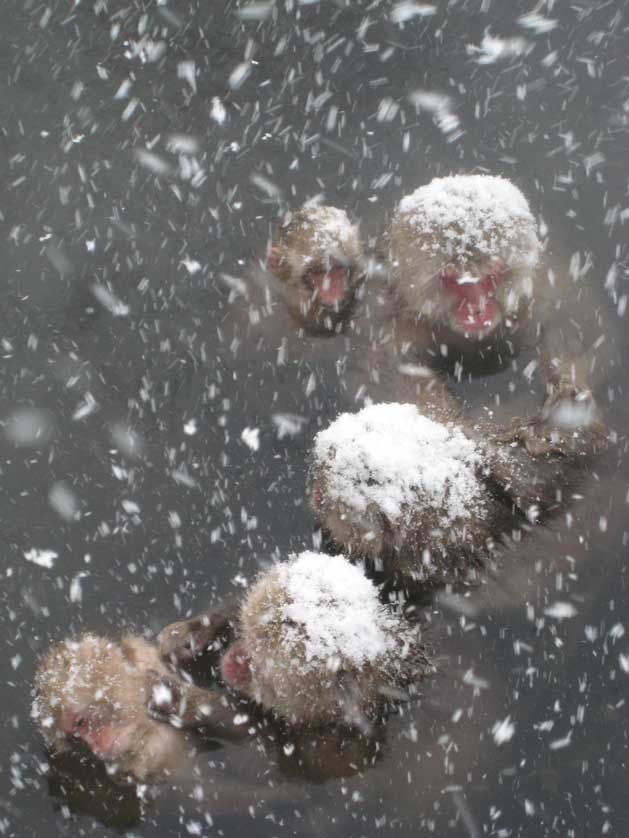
x: 473, y: 324
x: 321, y: 319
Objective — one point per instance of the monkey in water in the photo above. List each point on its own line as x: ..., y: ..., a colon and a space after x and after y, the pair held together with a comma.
x: 471, y: 288
x: 317, y: 259
x: 314, y: 268
x: 95, y: 692
x: 312, y: 342
x: 311, y: 644
x: 427, y: 500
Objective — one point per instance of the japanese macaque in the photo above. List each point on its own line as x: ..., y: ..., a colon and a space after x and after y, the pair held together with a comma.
x: 427, y: 500
x: 312, y: 644
x: 468, y: 286
x: 317, y: 259
x: 95, y: 692
x: 464, y: 251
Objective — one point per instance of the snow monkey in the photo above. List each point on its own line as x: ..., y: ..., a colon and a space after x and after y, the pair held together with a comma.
x: 95, y: 692
x: 427, y: 500
x: 318, y: 260
x: 312, y: 644
x: 472, y: 287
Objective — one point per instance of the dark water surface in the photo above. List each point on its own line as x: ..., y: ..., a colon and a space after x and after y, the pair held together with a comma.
x: 124, y: 395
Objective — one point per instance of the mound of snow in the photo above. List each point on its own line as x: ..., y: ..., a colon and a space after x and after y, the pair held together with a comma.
x: 330, y: 226
x: 334, y: 609
x: 479, y: 212
x: 393, y: 456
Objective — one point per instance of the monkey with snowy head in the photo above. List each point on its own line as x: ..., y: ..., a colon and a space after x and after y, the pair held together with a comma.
x: 464, y: 254
x: 311, y: 643
x: 472, y: 287
x: 93, y: 693
x: 429, y: 500
x: 317, y: 259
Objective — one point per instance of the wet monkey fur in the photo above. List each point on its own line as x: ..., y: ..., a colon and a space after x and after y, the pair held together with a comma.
x: 94, y: 692
x: 472, y: 287
x: 428, y: 500
x: 310, y: 643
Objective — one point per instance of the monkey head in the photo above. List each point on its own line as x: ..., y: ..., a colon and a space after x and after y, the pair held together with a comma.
x: 317, y: 258
x: 464, y: 251
x: 316, y: 645
x: 404, y: 491
x: 92, y: 691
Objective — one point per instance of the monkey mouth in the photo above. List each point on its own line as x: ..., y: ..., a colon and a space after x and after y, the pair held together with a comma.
x: 474, y: 309
x: 110, y: 742
x: 331, y: 288
x: 478, y: 319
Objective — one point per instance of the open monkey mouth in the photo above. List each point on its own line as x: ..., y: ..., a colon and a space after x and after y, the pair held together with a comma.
x: 473, y: 308
x: 332, y: 288
x: 476, y: 319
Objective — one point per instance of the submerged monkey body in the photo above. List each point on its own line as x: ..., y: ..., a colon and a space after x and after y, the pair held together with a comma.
x: 453, y: 510
x: 97, y: 693
x: 474, y: 293
x: 309, y: 648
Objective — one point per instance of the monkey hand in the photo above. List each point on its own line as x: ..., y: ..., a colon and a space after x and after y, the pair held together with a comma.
x: 187, y: 706
x: 182, y: 642
x: 570, y: 405
x: 532, y: 435
x: 166, y: 697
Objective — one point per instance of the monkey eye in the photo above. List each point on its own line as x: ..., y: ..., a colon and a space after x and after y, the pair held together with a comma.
x: 80, y: 724
x: 498, y: 272
x: 449, y: 272
x: 312, y: 275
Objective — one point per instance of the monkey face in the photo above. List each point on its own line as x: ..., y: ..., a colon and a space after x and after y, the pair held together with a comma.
x: 330, y: 284
x: 317, y: 259
x: 320, y: 287
x: 463, y: 251
x: 472, y: 296
x: 105, y: 736
x: 236, y: 667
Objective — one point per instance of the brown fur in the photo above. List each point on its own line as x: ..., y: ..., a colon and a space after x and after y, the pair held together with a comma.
x: 96, y: 691
x: 525, y: 472
x: 306, y: 242
x: 312, y: 691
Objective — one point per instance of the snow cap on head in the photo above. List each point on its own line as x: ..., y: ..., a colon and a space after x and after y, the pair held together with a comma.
x: 471, y: 214
x: 392, y: 456
x: 333, y: 609
x: 321, y: 645
x: 329, y: 230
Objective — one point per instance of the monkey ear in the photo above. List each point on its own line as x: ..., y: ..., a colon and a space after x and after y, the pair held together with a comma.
x: 274, y: 260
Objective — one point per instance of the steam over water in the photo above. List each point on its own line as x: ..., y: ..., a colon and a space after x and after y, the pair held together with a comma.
x: 153, y: 460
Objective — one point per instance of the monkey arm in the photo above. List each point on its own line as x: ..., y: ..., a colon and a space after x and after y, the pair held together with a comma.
x: 566, y: 367
x: 377, y: 374
x: 210, y: 631
x: 534, y: 463
x: 184, y: 705
x: 577, y: 339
